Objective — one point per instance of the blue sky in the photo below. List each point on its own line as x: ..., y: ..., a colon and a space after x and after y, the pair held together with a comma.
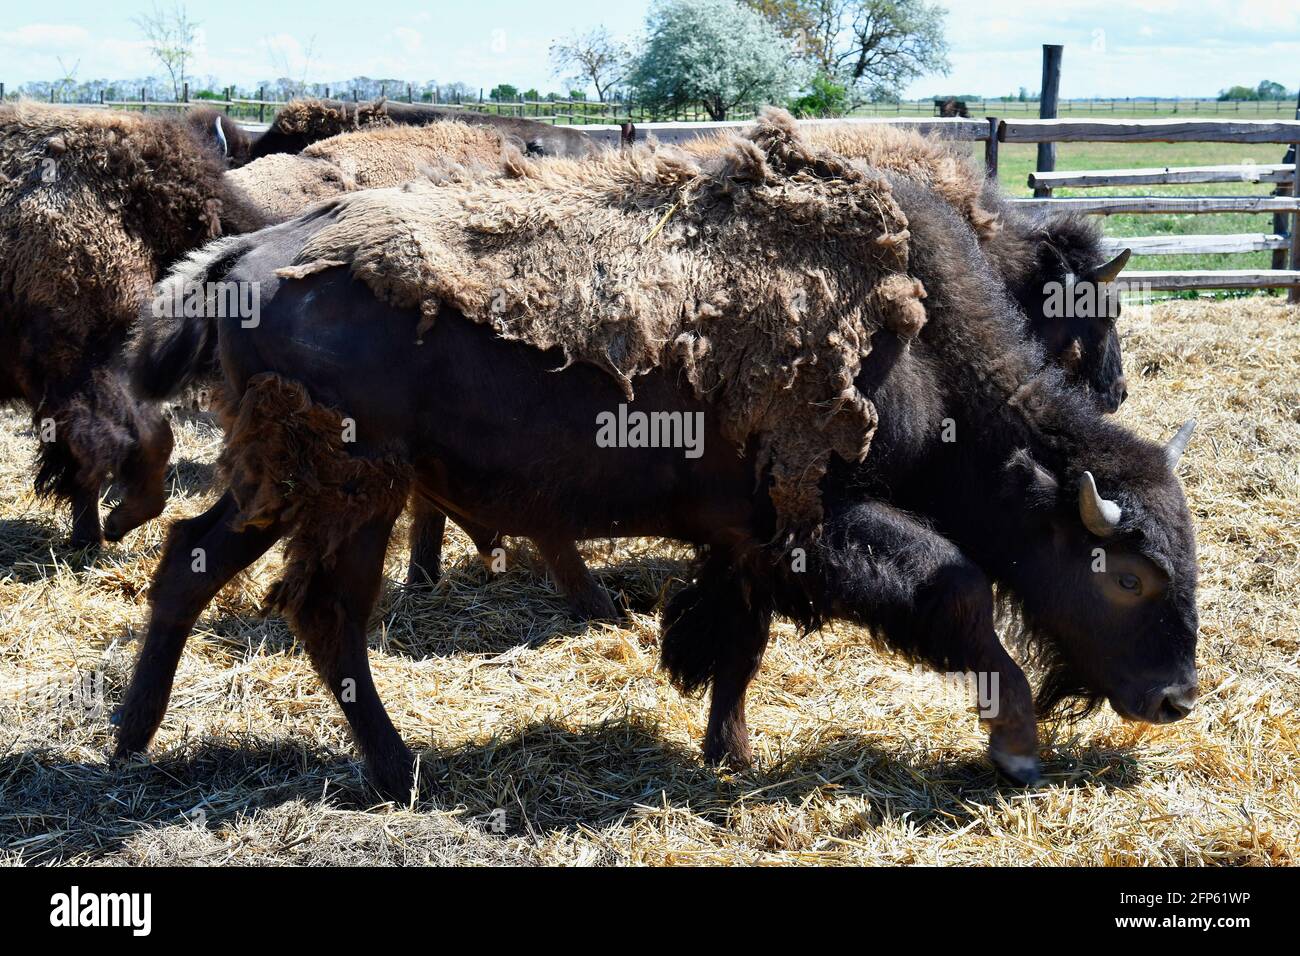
x: 1115, y: 48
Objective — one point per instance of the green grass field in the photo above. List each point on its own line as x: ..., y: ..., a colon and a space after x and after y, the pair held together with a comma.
x: 1016, y: 161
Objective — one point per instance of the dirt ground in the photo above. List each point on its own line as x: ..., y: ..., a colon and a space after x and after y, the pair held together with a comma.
x: 553, y: 743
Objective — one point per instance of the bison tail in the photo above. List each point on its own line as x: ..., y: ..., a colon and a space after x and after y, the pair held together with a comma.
x: 174, y: 342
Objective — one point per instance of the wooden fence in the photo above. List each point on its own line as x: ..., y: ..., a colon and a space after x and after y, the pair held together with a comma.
x: 1283, y: 241
x: 1284, y: 204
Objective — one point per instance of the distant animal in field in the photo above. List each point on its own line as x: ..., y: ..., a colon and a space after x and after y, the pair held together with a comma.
x: 951, y: 107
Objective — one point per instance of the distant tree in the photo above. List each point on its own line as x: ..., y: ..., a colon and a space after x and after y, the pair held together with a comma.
x: 825, y: 97
x: 171, y: 36
x: 504, y: 92
x: 455, y: 92
x: 874, y: 48
x: 532, y: 95
x: 292, y: 82
x: 595, y: 58
x: 715, y: 53
x: 1239, y: 93
x: 67, y: 81
x: 1268, y: 90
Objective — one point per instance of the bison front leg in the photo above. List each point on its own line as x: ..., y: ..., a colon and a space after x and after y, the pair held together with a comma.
x: 201, y: 556
x: 887, y: 571
x: 715, y: 632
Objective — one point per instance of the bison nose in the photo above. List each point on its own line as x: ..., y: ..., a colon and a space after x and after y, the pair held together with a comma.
x: 1174, y: 703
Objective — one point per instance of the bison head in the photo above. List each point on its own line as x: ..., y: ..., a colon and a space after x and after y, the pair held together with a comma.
x: 1072, y: 302
x: 1109, y: 602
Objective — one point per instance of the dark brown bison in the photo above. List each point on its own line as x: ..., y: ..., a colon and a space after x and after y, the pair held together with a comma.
x: 951, y: 107
x: 987, y: 469
x: 93, y: 206
x: 303, y: 122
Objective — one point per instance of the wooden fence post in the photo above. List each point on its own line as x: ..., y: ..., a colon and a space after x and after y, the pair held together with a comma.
x: 1293, y: 294
x: 185, y: 92
x: 261, y: 106
x: 1281, y: 221
x: 1047, y: 101
x: 991, y: 149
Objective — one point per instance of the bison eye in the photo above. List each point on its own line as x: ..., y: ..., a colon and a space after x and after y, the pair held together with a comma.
x: 1130, y: 582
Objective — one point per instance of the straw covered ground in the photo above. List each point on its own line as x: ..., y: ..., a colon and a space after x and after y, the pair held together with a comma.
x: 554, y: 743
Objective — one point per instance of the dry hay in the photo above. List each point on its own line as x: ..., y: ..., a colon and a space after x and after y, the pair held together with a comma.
x: 760, y: 273
x: 592, y: 757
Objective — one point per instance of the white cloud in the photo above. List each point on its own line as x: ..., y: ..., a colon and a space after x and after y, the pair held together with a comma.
x: 46, y: 37
x: 409, y: 39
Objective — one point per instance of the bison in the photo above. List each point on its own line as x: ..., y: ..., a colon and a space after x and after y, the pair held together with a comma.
x: 93, y: 207
x: 987, y: 470
x: 303, y: 122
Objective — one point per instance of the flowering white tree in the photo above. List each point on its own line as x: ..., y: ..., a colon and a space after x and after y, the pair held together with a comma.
x: 715, y: 53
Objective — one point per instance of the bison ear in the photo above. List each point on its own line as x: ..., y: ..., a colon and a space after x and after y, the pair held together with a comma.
x: 1030, y: 480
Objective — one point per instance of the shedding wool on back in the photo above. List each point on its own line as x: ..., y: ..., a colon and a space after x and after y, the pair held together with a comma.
x: 93, y: 205
x: 760, y: 273
x: 284, y: 184
x: 945, y: 167
x: 319, y: 119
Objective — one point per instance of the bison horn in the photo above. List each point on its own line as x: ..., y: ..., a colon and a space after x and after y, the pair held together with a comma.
x: 1109, y: 271
x: 221, y: 138
x: 1178, y: 444
x: 1100, y: 515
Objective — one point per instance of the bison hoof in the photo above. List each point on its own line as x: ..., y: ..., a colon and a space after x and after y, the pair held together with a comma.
x: 733, y: 757
x: 394, y: 777
x: 416, y: 577
x: 594, y: 606
x: 1020, y: 768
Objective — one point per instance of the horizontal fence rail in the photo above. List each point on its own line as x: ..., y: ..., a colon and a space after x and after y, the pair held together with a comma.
x: 1166, y: 205
x: 957, y: 129
x: 1149, y: 131
x: 1195, y: 245
x: 1166, y: 176
x: 1214, y: 279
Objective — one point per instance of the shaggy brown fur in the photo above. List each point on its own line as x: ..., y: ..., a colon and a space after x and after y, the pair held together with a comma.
x: 282, y: 185
x: 936, y: 163
x: 321, y: 119
x: 762, y: 273
x: 94, y: 206
x: 285, y: 461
